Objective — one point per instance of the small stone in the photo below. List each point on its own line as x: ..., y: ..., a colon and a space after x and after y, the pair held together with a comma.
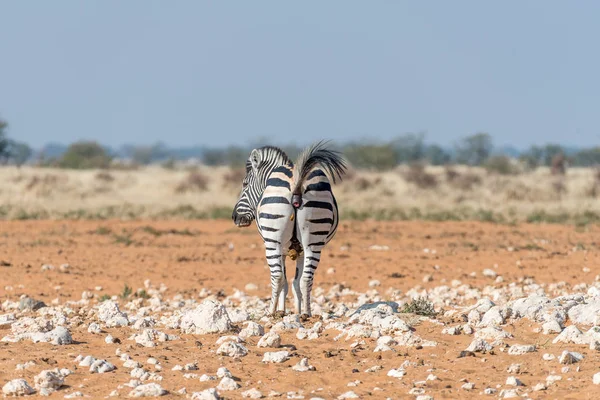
x: 396, y: 373
x: 596, y: 378
x: 570, y: 357
x: 270, y: 339
x: 17, y: 387
x: 208, y: 394
x: 252, y: 394
x: 251, y: 287
x: 231, y: 349
x: 548, y: 357
x: 468, y: 386
x: 148, y: 390
x: 520, y: 349
x: 348, y: 395
x: 224, y: 372
x: 490, y: 391
x: 539, y: 387
x: 276, y: 357
x: 228, y: 384
x: 303, y: 366
x: 514, y: 369
x: 512, y: 381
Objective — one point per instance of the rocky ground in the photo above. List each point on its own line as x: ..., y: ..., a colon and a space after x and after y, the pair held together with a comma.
x: 402, y: 310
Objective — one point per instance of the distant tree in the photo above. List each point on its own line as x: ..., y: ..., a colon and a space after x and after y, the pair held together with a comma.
x: 409, y: 148
x: 375, y: 156
x: 533, y: 157
x: 551, y: 151
x: 435, y: 155
x: 586, y: 157
x: 85, y: 155
x: 142, y: 155
x: 233, y: 156
x: 4, y: 142
x: 20, y: 153
x: 474, y: 149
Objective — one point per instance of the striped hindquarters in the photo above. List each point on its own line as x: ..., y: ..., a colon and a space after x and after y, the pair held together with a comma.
x: 319, y: 214
x: 275, y: 209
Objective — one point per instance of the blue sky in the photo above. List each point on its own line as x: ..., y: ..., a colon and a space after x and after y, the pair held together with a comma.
x: 216, y: 73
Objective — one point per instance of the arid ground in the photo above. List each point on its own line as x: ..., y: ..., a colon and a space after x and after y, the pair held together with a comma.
x: 172, y: 265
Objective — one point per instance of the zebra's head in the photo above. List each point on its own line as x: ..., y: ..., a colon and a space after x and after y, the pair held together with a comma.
x: 259, y: 166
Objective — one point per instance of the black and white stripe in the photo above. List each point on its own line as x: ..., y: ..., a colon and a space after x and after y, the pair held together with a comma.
x: 271, y: 186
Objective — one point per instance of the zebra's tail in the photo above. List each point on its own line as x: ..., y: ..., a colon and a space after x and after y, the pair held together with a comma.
x: 317, y: 155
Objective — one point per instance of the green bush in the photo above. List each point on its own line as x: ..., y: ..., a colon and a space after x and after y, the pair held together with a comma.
x: 85, y: 155
x: 502, y: 165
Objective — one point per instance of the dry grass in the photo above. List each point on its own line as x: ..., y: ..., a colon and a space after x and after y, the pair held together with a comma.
x: 456, y: 192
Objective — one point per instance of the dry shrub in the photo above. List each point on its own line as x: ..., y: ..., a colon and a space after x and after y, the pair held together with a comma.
x: 195, y: 181
x: 361, y: 183
x: 234, y: 177
x: 559, y: 187
x: 46, y: 180
x: 559, y: 164
x: 416, y: 174
x: 104, y: 176
x: 501, y: 165
x: 594, y: 189
x: 464, y: 181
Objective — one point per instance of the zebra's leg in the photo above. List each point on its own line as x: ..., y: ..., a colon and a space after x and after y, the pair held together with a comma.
x: 277, y: 268
x: 284, y: 291
x: 296, y: 284
x: 312, y: 256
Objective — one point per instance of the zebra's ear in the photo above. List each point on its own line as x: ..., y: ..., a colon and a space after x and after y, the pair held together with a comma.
x: 255, y: 159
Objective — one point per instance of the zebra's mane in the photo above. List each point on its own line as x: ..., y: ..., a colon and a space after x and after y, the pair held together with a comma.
x: 269, y: 151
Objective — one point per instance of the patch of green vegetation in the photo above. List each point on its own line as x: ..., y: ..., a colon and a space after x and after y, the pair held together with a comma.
x: 142, y: 294
x: 126, y: 292
x: 157, y: 232
x: 532, y: 247
x: 123, y: 239
x: 419, y: 306
x: 102, y: 230
x: 103, y: 298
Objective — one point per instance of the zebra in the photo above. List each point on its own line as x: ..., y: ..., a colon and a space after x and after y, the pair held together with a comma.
x: 296, y: 214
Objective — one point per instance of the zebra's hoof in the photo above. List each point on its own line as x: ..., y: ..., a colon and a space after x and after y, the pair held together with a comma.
x: 304, y: 317
x: 279, y: 314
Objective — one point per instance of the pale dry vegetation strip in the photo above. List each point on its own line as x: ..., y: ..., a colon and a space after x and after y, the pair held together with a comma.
x: 404, y: 193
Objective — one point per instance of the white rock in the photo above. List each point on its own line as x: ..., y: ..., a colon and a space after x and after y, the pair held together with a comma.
x: 101, y: 366
x: 552, y: 326
x: 208, y: 394
x: 232, y: 349
x: 206, y: 378
x: 49, y: 380
x: 512, y: 381
x: 548, y: 357
x: 303, y: 366
x: 539, y: 387
x: 252, y: 394
x: 270, y: 339
x: 94, y: 328
x: 109, y: 339
x: 490, y: 273
x: 509, y: 393
x: 252, y: 329
x: 468, y: 386
x: 570, y: 357
x: 570, y: 334
x: 85, y: 361
x: 131, y: 364
x: 348, y: 395
x: 223, y: 372
x: 228, y: 384
x: 550, y: 379
x: 276, y: 357
x: 396, y: 373
x: 148, y: 390
x: 17, y: 387
x: 74, y: 395
x: 596, y: 378
x: 520, y: 349
x: 514, y: 369
x: 111, y: 315
x: 479, y: 345
x: 208, y: 317
x: 586, y: 314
